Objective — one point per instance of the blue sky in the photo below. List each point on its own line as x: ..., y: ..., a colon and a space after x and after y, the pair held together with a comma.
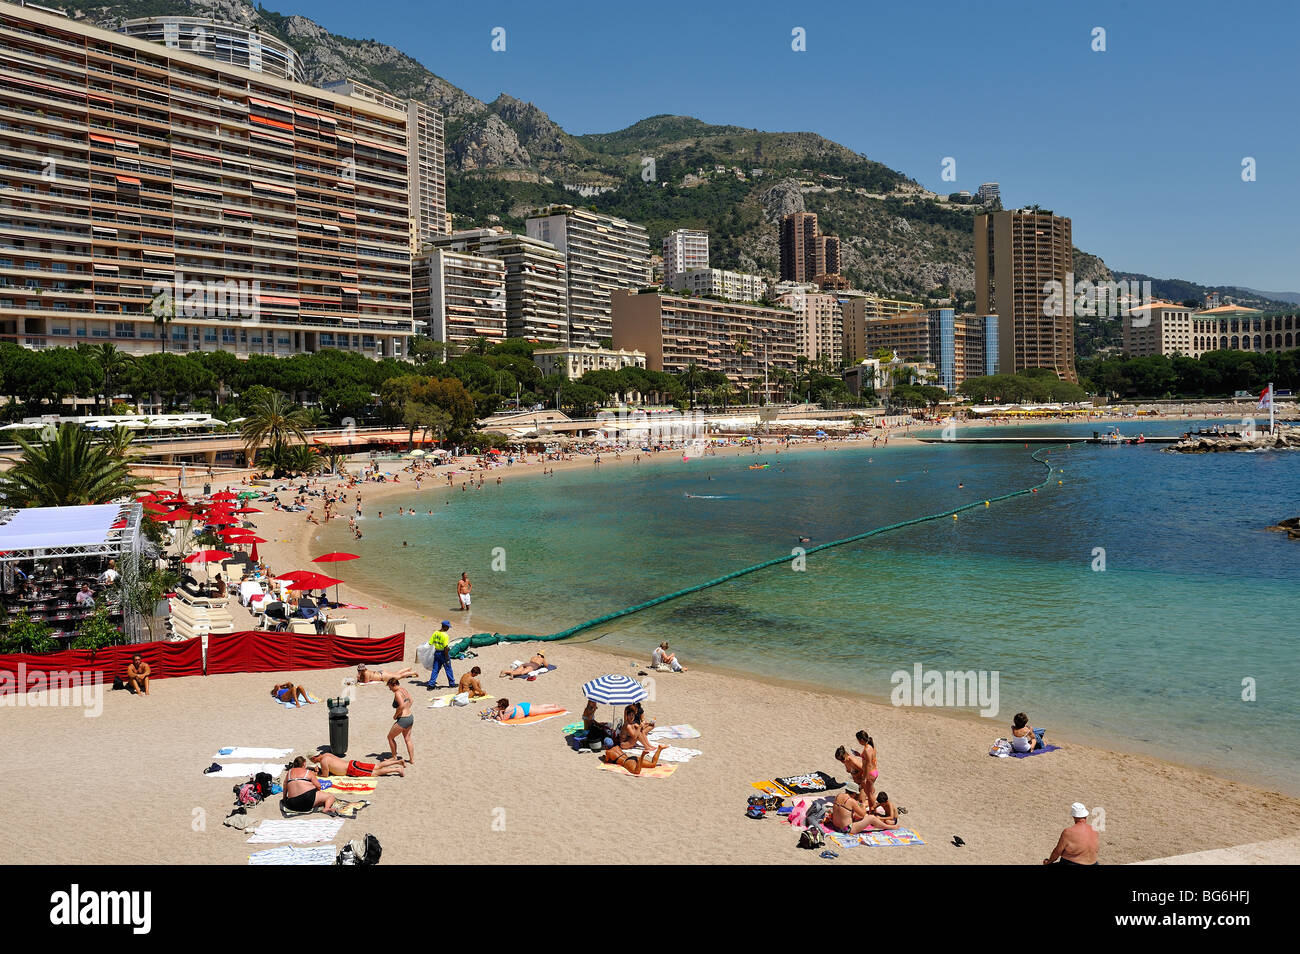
x: 1141, y: 145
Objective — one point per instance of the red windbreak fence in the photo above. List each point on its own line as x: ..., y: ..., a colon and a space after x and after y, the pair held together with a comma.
x: 25, y: 672
x: 256, y: 651
x: 251, y: 651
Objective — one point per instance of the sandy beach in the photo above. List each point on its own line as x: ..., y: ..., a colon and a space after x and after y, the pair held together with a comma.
x: 127, y: 786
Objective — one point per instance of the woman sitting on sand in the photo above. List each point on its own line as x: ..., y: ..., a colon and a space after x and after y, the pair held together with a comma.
x: 364, y: 675
x: 663, y: 660
x: 537, y: 662
x: 850, y: 815
x: 288, y: 692
x: 614, y: 755
x: 1024, y: 737
x: 302, y: 791
x: 633, y: 732
x: 329, y: 764
x: 503, y: 711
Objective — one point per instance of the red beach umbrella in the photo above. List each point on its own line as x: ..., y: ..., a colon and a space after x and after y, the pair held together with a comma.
x: 225, y: 495
x: 336, y: 557
x: 306, y: 580
x: 207, y: 556
x: 247, y: 510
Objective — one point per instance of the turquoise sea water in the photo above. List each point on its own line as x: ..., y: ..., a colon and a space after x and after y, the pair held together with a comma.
x: 1148, y: 654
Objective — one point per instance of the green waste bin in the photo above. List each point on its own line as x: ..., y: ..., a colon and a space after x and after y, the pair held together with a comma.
x: 338, y: 726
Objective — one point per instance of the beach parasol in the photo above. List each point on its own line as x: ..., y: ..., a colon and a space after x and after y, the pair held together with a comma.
x: 336, y: 557
x: 225, y: 495
x: 310, y: 580
x: 174, y: 516
x: 614, y: 690
x: 247, y: 510
x: 207, y: 556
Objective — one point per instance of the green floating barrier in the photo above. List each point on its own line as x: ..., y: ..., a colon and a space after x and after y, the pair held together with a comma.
x: 479, y: 640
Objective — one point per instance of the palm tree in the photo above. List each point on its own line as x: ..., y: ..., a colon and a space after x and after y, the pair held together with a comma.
x: 67, y: 469
x: 118, y: 440
x: 692, y: 377
x: 163, y: 308
x: 315, y: 417
x: 272, y: 421
x: 111, y: 362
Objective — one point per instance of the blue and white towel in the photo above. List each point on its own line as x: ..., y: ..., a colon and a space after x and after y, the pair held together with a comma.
x: 292, y: 855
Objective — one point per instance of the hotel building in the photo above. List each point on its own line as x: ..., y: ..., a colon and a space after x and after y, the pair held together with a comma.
x: 684, y: 249
x: 1160, y: 328
x: 536, y: 292
x: 602, y: 255
x: 1018, y: 255
x: 148, y: 191
x: 1231, y: 327
x: 675, y: 331
x: 459, y: 298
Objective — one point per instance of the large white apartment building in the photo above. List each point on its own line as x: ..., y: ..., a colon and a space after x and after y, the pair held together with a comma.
x: 684, y: 249
x: 821, y: 325
x: 734, y: 286
x: 602, y: 254
x: 459, y: 298
x: 536, y: 291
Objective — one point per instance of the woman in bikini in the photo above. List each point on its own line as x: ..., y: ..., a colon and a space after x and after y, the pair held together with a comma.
x: 503, y: 711
x: 364, y: 675
x: 537, y: 662
x: 329, y: 764
x: 402, y: 720
x: 851, y: 816
x: 870, y: 771
x: 633, y: 733
x: 634, y: 764
x: 302, y: 791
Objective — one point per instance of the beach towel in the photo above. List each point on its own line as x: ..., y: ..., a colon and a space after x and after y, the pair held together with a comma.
x: 245, y: 769
x: 240, y: 752
x: 671, y: 754
x: 1043, y: 751
x: 300, y: 831
x: 882, y: 838
x: 663, y: 733
x: 528, y: 720
x: 293, y: 855
x: 353, y: 786
x: 659, y: 771
x: 443, y: 701
x: 571, y: 728
x: 535, y: 673
x: 772, y: 788
x: 810, y: 783
x: 295, y: 705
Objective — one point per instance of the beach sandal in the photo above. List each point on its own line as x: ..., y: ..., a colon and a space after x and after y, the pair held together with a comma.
x: 829, y: 854
x: 755, y: 812
x: 902, y: 811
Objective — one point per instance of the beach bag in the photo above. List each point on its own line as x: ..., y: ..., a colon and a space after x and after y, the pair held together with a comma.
x: 1001, y: 749
x: 811, y: 838
x: 360, y: 851
x: 246, y: 793
x: 262, y: 783
x: 424, y: 656
x: 460, y: 699
x: 118, y: 683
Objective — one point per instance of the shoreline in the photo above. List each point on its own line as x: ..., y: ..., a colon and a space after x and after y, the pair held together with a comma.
x: 488, y: 622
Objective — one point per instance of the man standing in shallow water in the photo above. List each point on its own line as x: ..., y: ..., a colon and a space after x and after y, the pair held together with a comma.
x: 463, y: 586
x: 1078, y: 843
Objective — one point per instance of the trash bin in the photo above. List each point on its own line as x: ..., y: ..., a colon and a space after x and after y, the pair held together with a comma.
x: 207, y: 489
x: 338, y: 726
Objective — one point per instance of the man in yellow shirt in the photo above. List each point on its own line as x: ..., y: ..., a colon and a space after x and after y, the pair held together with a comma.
x: 441, y: 658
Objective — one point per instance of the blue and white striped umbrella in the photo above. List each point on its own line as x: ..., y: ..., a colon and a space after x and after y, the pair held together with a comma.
x: 614, y: 690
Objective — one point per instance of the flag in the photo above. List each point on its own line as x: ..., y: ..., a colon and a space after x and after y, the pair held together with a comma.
x: 1266, y: 398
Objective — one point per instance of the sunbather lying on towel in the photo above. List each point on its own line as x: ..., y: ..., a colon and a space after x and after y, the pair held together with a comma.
x: 634, y: 764
x: 852, y: 816
x: 329, y: 764
x: 288, y: 692
x: 537, y: 662
x: 369, y: 675
x: 503, y: 711
x: 302, y: 791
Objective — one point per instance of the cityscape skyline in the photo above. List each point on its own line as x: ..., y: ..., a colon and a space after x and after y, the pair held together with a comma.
x: 968, y: 105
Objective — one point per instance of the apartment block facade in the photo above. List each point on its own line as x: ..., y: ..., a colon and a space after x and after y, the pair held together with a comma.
x: 149, y: 192
x: 684, y: 249
x: 806, y: 254
x: 735, y: 286
x: 229, y: 43
x: 736, y: 338
x: 856, y: 309
x: 1019, y: 256
x: 821, y: 326
x: 602, y: 255
x: 955, y: 344
x: 459, y: 298
x: 425, y: 160
x: 536, y: 291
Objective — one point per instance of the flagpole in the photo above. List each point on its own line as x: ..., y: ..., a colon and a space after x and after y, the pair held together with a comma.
x: 1272, y: 413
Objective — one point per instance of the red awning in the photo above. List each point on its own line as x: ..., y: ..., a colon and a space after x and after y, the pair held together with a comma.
x: 129, y: 180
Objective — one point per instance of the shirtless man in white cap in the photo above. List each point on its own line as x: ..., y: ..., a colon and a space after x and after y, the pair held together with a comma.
x: 1078, y: 843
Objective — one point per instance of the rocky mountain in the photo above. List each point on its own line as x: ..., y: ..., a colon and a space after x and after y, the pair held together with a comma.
x: 508, y: 157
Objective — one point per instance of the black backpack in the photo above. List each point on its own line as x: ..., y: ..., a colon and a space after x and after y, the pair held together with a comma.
x: 360, y: 852
x: 262, y: 782
x: 372, y: 851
